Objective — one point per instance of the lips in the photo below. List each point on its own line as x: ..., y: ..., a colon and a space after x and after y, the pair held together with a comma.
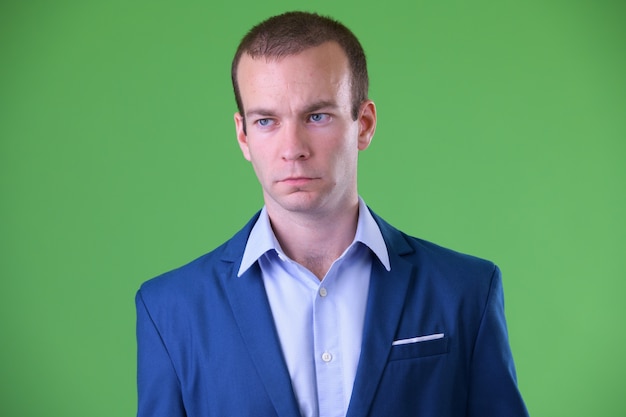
x: 297, y: 180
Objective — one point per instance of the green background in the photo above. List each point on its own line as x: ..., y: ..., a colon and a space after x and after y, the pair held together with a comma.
x: 501, y: 133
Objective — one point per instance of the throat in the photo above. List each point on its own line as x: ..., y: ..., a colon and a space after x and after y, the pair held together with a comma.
x: 318, y: 265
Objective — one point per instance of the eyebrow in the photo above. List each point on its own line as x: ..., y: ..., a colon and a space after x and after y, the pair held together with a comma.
x: 311, y: 108
x: 324, y: 104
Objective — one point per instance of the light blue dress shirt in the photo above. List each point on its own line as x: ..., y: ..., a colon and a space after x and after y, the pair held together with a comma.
x: 319, y: 323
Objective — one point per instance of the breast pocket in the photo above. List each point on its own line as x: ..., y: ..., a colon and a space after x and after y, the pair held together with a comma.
x: 419, y: 349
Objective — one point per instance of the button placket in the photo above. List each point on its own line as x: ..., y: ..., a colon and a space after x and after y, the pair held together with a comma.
x: 327, y: 351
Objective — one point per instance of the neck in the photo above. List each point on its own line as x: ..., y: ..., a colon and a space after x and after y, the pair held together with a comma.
x: 315, y: 242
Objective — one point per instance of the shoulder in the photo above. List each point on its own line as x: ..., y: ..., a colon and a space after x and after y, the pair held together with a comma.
x: 436, y: 256
x: 446, y: 266
x: 203, y: 271
x: 416, y: 248
x: 455, y: 285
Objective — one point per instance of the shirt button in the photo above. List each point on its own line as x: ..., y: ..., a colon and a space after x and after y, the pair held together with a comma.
x: 323, y: 292
x: 327, y: 357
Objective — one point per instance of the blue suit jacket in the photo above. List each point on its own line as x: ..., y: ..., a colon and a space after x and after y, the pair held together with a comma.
x: 207, y: 345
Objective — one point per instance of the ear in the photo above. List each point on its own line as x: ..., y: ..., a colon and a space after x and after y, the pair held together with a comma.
x: 242, y: 138
x: 367, y: 123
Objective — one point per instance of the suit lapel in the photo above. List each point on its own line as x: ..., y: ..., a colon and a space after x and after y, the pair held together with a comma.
x: 252, y: 312
x: 387, y: 295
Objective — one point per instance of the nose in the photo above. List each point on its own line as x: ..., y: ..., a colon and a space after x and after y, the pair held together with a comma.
x: 295, y: 143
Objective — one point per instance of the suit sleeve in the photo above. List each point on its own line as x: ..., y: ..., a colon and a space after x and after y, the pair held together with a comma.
x: 158, y: 386
x: 493, y: 382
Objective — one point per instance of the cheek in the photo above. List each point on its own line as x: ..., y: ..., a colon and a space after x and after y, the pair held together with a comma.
x: 246, y: 153
x: 258, y: 164
x: 255, y: 163
x: 346, y: 153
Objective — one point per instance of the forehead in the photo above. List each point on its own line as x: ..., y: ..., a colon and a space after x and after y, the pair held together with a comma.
x: 319, y: 72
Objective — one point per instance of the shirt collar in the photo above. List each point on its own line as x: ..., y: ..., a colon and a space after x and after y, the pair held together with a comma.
x: 262, y: 239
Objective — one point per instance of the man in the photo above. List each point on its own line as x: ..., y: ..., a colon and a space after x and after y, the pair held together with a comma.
x: 317, y: 307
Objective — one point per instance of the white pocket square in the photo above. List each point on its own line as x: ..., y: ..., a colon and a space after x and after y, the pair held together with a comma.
x: 417, y: 339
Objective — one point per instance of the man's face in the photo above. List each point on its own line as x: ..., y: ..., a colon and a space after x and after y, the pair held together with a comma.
x: 300, y: 136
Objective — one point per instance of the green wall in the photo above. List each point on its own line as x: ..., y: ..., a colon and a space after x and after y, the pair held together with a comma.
x: 501, y: 133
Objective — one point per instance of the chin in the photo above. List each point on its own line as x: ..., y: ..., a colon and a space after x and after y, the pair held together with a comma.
x: 302, y: 202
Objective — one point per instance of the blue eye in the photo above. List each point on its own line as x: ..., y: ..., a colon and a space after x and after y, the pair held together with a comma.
x: 318, y: 117
x: 265, y: 122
